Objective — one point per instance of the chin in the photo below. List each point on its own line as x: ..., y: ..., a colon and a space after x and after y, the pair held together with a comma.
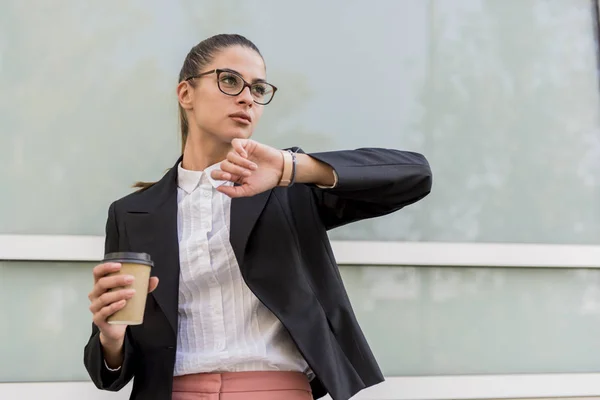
x: 240, y: 133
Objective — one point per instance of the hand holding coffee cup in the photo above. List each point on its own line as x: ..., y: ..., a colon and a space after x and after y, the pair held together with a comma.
x: 121, y: 284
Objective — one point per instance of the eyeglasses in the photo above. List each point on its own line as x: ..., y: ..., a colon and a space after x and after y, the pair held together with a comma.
x: 232, y: 84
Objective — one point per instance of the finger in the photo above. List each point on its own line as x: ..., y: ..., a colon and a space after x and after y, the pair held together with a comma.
x: 225, y: 176
x: 234, y: 191
x: 153, y: 284
x: 239, y: 146
x: 109, y: 298
x: 105, y: 312
x: 110, y: 282
x: 236, y: 159
x: 101, y: 270
x: 228, y: 166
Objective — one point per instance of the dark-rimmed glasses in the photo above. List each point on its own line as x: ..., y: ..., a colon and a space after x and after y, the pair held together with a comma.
x: 232, y: 84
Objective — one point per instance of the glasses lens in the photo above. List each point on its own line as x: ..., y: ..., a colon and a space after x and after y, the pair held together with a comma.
x: 262, y: 92
x: 230, y: 83
x: 233, y: 84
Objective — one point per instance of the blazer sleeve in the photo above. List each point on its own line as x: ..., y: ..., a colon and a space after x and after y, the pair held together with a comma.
x: 371, y: 182
x: 93, y: 357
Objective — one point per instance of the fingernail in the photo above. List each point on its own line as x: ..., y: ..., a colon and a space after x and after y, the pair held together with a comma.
x: 129, y: 279
x: 247, y: 173
x: 130, y: 292
x: 254, y: 166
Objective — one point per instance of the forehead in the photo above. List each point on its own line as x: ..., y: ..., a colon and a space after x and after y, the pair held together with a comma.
x: 241, y: 59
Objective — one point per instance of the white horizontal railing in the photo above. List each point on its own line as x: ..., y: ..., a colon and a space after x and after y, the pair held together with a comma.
x: 89, y: 248
x: 394, y: 388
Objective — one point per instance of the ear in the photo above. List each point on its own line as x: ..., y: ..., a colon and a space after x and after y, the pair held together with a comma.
x: 185, y: 93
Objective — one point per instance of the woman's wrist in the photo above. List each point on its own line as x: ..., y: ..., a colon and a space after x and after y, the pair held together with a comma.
x: 311, y: 170
x: 112, y: 351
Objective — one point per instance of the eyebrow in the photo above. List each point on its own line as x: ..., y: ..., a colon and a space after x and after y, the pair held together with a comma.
x: 259, y: 80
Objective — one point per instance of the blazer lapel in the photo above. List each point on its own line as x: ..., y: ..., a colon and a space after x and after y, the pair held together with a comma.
x: 244, y: 214
x: 151, y: 226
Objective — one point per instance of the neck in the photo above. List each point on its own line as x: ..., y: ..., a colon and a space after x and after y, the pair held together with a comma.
x: 200, y: 153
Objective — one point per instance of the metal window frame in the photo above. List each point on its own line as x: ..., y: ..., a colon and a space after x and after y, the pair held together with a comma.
x: 394, y: 388
x: 519, y: 255
x: 89, y: 248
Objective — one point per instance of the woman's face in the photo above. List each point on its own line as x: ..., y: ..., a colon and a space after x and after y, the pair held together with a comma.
x: 215, y: 114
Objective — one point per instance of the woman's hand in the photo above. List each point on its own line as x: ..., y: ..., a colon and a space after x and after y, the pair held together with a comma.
x: 105, y: 302
x: 255, y: 166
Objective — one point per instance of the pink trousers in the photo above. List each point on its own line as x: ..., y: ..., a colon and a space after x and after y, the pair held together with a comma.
x: 268, y: 385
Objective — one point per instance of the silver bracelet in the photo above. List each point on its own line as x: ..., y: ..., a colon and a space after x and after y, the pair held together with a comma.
x: 294, y: 163
x: 111, y: 369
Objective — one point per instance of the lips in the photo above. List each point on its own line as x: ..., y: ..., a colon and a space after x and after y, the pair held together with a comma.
x: 241, y: 116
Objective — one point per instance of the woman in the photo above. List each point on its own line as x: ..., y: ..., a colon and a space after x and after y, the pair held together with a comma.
x: 250, y: 303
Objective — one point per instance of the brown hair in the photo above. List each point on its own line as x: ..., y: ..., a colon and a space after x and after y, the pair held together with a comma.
x: 199, y: 56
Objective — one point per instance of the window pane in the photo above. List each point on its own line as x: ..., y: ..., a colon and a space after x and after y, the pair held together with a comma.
x: 446, y: 321
x: 502, y: 96
x: 45, y: 320
x: 419, y: 321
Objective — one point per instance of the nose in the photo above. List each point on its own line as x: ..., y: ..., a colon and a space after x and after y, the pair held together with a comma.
x: 245, y: 97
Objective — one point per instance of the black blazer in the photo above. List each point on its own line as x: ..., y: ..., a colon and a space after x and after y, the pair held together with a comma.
x: 280, y: 241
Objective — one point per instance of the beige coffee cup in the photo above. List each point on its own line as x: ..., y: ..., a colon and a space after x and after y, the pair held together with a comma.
x: 139, y: 266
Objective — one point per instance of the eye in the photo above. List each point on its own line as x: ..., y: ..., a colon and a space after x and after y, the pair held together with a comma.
x: 260, y: 89
x: 230, y: 80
